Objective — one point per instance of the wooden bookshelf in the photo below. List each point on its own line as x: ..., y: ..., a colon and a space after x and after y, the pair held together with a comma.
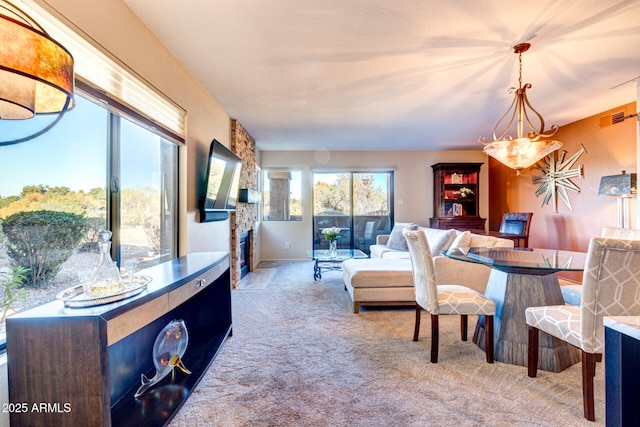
x: 456, y: 196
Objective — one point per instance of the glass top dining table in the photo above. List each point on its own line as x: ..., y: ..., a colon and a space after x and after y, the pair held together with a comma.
x: 524, y: 260
x: 521, y: 278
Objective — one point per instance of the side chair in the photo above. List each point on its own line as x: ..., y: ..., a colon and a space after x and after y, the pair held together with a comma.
x: 571, y: 291
x: 610, y: 287
x: 444, y: 299
x: 517, y: 223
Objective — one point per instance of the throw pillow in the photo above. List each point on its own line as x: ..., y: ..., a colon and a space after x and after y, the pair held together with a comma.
x: 462, y: 240
x: 396, y: 239
x: 482, y: 241
x: 439, y: 240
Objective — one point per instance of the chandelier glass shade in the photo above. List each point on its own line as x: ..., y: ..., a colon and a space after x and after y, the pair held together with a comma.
x: 36, y: 72
x: 526, y: 149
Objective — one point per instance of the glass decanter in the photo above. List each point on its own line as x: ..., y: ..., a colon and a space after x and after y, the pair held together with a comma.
x: 105, y: 277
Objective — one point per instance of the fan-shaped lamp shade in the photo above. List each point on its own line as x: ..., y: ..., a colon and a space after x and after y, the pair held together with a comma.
x: 36, y: 72
x: 618, y: 185
x: 624, y: 186
x: 520, y: 153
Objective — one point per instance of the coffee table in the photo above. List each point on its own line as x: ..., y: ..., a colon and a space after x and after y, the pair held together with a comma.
x: 521, y: 278
x: 324, y: 260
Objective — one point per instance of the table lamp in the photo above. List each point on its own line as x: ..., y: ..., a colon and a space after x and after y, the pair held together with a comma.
x: 622, y: 186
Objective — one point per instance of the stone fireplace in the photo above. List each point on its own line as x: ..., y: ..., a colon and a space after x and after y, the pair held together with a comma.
x: 244, y: 235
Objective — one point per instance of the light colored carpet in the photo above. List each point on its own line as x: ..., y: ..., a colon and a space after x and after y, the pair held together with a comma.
x: 299, y: 356
x: 257, y: 279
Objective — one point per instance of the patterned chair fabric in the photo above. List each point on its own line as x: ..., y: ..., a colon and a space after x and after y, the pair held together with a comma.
x: 620, y: 233
x: 610, y: 287
x: 444, y: 299
x: 572, y: 292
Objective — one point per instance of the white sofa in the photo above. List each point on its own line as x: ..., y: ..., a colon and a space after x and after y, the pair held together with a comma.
x: 444, y: 242
x: 387, y: 279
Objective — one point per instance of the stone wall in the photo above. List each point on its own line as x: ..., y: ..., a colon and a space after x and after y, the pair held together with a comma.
x: 245, y: 215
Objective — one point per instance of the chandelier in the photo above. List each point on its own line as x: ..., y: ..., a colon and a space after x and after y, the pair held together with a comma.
x: 36, y: 72
x: 524, y: 150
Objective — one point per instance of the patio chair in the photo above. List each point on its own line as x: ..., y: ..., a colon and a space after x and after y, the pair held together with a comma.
x: 367, y: 238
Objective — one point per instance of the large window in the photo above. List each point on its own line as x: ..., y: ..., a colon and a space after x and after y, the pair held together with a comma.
x: 359, y: 203
x: 147, y: 195
x: 107, y: 170
x: 282, y: 199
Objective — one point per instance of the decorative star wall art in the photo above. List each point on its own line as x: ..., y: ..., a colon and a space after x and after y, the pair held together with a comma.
x: 556, y: 177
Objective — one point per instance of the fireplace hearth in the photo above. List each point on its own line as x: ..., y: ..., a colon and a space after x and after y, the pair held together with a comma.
x: 245, y: 253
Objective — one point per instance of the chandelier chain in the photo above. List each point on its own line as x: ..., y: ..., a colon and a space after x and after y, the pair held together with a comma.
x: 525, y: 149
x: 520, y: 69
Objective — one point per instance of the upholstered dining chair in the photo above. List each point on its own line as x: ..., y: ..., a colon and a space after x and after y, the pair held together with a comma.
x: 571, y: 291
x: 444, y: 299
x: 610, y: 287
x: 517, y: 223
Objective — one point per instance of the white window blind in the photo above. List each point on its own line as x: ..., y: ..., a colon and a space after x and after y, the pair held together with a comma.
x: 102, y: 71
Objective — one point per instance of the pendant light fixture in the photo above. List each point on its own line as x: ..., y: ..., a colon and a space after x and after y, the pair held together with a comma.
x: 36, y: 72
x: 524, y: 150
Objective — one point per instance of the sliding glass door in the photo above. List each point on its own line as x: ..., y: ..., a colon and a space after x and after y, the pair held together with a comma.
x: 359, y: 203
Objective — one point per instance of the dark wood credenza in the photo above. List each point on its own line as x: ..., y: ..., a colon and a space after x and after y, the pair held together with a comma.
x: 82, y: 366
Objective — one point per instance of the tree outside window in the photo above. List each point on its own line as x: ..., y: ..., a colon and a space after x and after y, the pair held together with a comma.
x: 67, y: 175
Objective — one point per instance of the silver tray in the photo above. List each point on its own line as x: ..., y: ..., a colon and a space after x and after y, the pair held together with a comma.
x: 76, y: 298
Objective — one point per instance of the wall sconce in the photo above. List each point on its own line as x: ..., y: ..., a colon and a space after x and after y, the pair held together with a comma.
x: 623, y: 186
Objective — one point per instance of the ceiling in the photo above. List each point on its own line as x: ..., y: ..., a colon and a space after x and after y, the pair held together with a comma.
x: 402, y: 75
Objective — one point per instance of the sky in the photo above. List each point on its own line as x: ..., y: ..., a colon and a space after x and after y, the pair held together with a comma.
x: 295, y: 185
x: 73, y: 153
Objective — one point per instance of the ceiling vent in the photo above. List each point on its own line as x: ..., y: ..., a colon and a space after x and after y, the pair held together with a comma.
x: 617, y: 117
x: 613, y: 118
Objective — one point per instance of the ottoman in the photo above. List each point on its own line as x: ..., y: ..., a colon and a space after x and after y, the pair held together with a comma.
x: 379, y: 281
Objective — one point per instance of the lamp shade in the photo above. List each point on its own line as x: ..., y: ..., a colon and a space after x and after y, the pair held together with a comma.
x: 618, y: 185
x: 36, y: 72
x: 520, y: 153
x: 527, y: 148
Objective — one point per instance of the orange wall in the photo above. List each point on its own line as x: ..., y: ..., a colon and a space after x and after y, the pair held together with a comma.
x: 610, y: 149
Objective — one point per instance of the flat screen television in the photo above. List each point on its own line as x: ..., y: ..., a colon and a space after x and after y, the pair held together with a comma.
x: 222, y: 182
